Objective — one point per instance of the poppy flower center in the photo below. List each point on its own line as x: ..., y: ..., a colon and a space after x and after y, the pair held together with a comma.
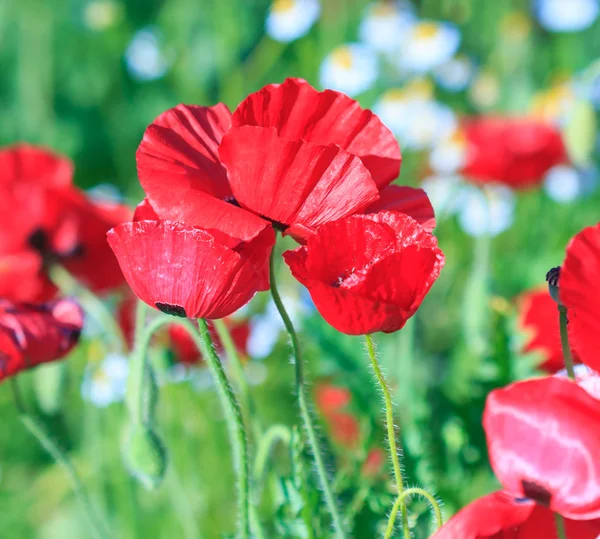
x: 552, y: 276
x: 40, y: 242
x: 536, y: 493
x: 280, y: 227
x: 173, y: 310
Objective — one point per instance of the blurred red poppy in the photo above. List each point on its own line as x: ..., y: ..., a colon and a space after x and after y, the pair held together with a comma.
x: 579, y: 289
x: 514, y: 151
x: 45, y: 220
x: 330, y: 398
x: 374, y: 463
x: 368, y: 273
x: 189, y: 272
x: 35, y: 334
x: 539, y: 318
x: 343, y: 425
x: 500, y: 516
x: 186, y: 350
x: 314, y: 156
x: 543, y: 440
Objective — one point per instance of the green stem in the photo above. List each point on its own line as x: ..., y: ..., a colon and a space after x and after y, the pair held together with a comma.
x: 400, y: 502
x: 304, y: 408
x: 233, y: 413
x: 274, y: 434
x: 564, y: 340
x: 39, y: 432
x: 389, y: 421
x: 560, y: 526
x: 91, y: 304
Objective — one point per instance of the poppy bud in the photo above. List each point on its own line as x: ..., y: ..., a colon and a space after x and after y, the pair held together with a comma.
x: 145, y: 456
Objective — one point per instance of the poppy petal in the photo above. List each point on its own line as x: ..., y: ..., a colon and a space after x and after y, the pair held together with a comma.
x: 294, y: 182
x: 178, y: 154
x: 183, y: 270
x: 23, y: 279
x: 579, y: 288
x: 299, y: 112
x: 542, y: 440
x: 413, y: 202
x: 25, y: 162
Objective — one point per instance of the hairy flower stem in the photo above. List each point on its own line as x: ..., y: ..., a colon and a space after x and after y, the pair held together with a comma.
x: 564, y: 340
x: 389, y: 421
x: 400, y: 502
x: 560, y: 526
x: 39, y: 432
x: 304, y: 408
x: 235, y: 422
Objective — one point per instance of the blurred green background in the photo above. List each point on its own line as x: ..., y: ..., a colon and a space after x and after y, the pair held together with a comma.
x: 86, y: 78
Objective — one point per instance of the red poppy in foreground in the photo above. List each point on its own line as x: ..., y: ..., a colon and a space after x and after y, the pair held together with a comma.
x: 368, y: 273
x: 500, y: 516
x: 514, y: 151
x: 308, y: 156
x: 539, y: 318
x: 579, y: 290
x: 35, y: 334
x: 186, y: 350
x: 543, y: 440
x: 189, y: 272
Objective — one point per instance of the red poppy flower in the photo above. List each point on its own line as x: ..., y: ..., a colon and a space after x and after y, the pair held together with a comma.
x: 579, y: 289
x: 35, y: 334
x: 330, y: 398
x: 189, y: 272
x: 374, y: 463
x: 305, y: 151
x: 331, y: 401
x: 539, y: 318
x: 23, y: 278
x: 186, y: 350
x: 543, y: 440
x: 499, y: 516
x: 368, y: 273
x: 515, y: 151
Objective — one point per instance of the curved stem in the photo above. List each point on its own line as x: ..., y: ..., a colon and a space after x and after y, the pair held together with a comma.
x: 389, y: 422
x: 400, y: 502
x: 39, y: 432
x: 304, y: 408
x: 560, y: 526
x: 274, y: 434
x: 233, y: 413
x: 91, y: 304
x: 564, y: 341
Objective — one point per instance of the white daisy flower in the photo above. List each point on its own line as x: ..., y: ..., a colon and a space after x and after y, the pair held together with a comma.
x: 427, y: 45
x: 455, y: 74
x: 445, y: 194
x: 99, y: 15
x: 448, y: 156
x: 105, y: 384
x: 484, y: 91
x: 351, y: 69
x: 419, y: 122
x: 488, y: 210
x: 566, y: 15
x: 562, y: 184
x: 144, y: 57
x: 290, y: 19
x: 385, y: 24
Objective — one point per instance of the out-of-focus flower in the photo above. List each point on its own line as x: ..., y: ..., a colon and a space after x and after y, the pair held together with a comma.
x: 566, y: 15
x: 105, y: 384
x: 35, y: 334
x: 368, y: 273
x: 564, y: 184
x: 351, y: 68
x: 542, y: 438
x: 374, y: 463
x: 343, y: 425
x: 384, y: 25
x: 484, y: 91
x: 427, y: 45
x: 456, y: 74
x: 579, y: 288
x: 500, y: 516
x: 146, y: 57
x: 414, y: 117
x: 331, y: 399
x: 486, y: 211
x: 99, y: 15
x: 515, y: 27
x: 290, y: 19
x: 516, y: 152
x: 539, y: 318
x: 449, y: 154
x: 446, y: 193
